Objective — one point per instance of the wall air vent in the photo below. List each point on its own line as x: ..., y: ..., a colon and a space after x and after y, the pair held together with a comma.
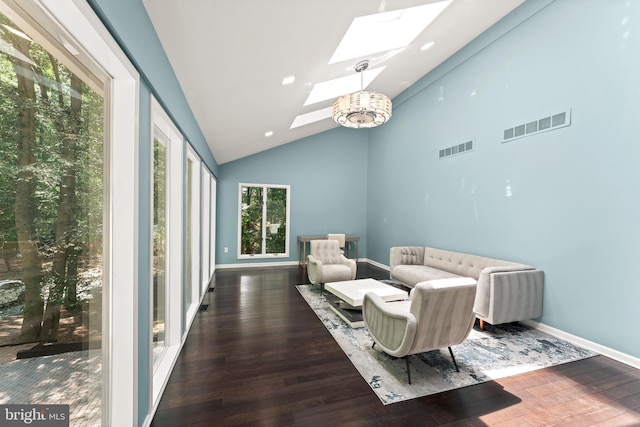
x: 551, y: 122
x: 454, y: 150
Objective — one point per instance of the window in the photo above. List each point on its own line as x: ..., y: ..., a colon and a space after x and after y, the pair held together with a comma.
x: 207, y: 224
x: 208, y: 227
x: 52, y: 171
x: 192, y: 270
x: 264, y: 220
x: 159, y: 242
x: 58, y: 100
x: 212, y: 219
x: 166, y: 290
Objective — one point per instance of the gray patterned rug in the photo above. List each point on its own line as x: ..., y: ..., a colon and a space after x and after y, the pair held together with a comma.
x: 497, y: 352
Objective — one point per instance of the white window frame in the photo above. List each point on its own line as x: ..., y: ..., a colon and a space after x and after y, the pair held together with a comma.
x: 212, y: 231
x: 192, y: 309
x: 206, y: 228
x: 173, y: 318
x: 120, y: 298
x: 264, y: 228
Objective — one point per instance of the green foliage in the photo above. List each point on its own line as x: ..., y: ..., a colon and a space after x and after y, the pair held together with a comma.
x: 276, y: 214
x: 252, y: 220
x: 56, y: 121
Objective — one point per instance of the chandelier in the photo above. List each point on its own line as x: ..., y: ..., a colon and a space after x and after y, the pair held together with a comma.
x: 361, y: 109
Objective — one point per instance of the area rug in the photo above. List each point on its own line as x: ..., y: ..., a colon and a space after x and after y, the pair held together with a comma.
x: 496, y: 352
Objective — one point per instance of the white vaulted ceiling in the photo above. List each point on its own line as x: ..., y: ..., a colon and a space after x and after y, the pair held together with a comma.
x: 230, y: 58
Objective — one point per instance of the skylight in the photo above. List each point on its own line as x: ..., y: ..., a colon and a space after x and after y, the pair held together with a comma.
x: 381, y: 32
x: 338, y: 87
x: 314, y: 116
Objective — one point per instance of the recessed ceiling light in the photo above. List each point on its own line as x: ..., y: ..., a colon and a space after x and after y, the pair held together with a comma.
x: 314, y: 116
x: 341, y: 86
x: 288, y: 80
x: 268, y: 134
x: 427, y: 46
x: 386, y: 31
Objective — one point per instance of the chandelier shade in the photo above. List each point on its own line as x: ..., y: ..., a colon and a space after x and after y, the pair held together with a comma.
x: 361, y: 109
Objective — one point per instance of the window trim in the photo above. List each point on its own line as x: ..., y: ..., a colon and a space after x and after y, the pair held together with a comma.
x: 173, y: 318
x: 195, y: 219
x: 265, y: 187
x: 212, y: 230
x: 206, y: 228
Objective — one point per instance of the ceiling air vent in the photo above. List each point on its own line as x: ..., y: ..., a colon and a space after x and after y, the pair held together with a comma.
x: 454, y: 150
x: 551, y: 122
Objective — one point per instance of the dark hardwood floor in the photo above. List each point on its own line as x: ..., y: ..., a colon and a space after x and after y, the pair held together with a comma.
x: 259, y: 356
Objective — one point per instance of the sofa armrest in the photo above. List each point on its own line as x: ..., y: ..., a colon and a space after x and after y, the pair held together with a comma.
x: 509, y: 296
x: 506, y: 269
x: 390, y: 328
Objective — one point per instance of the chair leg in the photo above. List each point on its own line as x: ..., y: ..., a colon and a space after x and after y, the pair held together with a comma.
x: 406, y: 359
x: 321, y: 289
x: 373, y: 345
x: 454, y: 359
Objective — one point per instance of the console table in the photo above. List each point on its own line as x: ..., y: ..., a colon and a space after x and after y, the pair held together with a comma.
x: 303, y: 242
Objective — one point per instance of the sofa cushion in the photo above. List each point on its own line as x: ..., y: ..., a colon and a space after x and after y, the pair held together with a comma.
x: 412, y: 256
x: 462, y: 264
x: 335, y: 273
x: 413, y: 274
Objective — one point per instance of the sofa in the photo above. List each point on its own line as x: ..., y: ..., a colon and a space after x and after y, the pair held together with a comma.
x: 506, y: 291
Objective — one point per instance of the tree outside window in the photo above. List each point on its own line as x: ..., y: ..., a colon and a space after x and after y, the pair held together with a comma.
x: 264, y: 219
x: 51, y: 195
x: 52, y: 218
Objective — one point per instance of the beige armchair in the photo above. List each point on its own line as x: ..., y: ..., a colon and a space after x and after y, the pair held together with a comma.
x: 439, y: 313
x: 325, y: 263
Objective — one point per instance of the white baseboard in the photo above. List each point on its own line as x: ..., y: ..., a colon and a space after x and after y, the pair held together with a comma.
x: 377, y: 264
x: 590, y: 345
x: 257, y: 264
x: 285, y: 264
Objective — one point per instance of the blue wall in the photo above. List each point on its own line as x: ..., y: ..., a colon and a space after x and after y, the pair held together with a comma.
x: 328, y: 178
x: 563, y: 200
